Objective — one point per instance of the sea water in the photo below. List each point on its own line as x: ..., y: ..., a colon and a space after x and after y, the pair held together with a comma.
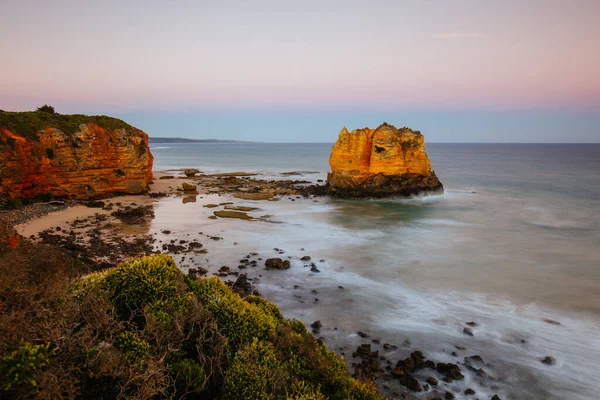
x: 513, y: 244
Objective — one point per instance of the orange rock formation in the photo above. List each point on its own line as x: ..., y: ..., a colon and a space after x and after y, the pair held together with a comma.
x: 92, y: 161
x: 380, y: 162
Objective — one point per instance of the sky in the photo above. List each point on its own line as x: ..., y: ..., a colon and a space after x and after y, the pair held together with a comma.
x: 297, y: 71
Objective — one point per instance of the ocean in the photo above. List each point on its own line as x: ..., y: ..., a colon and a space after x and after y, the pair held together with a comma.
x: 513, y: 245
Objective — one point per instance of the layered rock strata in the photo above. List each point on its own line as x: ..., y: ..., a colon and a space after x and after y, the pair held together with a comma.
x: 386, y: 161
x: 68, y: 156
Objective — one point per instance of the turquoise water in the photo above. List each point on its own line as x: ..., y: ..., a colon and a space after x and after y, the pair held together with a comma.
x: 514, y: 240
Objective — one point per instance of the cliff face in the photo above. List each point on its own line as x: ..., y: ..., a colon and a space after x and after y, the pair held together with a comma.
x: 71, y: 156
x: 380, y: 162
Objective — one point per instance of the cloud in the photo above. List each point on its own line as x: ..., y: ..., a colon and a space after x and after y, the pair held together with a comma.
x: 456, y: 35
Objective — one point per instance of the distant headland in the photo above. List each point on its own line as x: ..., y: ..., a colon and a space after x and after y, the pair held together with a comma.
x: 153, y: 140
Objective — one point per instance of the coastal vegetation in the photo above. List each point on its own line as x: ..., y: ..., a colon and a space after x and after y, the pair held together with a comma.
x: 143, y: 329
x: 28, y: 123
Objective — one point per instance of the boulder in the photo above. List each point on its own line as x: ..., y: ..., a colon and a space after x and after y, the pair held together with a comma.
x: 386, y: 161
x: 188, y: 187
x: 190, y: 172
x: 277, y: 263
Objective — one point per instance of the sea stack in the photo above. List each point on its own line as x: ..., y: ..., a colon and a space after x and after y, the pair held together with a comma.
x: 47, y: 155
x: 381, y: 162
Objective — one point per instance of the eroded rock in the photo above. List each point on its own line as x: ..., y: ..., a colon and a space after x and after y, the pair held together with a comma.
x: 380, y: 162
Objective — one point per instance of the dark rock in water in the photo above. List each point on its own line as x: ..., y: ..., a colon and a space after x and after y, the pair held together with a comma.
x: 241, y: 286
x: 430, y: 364
x: 314, y: 268
x: 277, y: 263
x: 469, y: 391
x: 432, y: 381
x: 476, y: 358
x: 412, y: 384
x: 369, y: 364
x: 548, y: 360
x: 450, y: 370
x: 496, y: 397
x: 317, y: 325
x: 449, y: 396
x: 388, y: 346
x: 551, y: 321
x: 362, y: 335
x: 190, y: 172
x: 471, y: 323
x: 195, y: 272
x: 468, y: 331
x: 305, y: 258
x: 481, y: 373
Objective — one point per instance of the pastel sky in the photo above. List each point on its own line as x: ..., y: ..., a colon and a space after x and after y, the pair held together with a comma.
x: 472, y: 70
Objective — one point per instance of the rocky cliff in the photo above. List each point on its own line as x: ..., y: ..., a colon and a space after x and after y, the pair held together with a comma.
x: 71, y: 156
x: 380, y: 162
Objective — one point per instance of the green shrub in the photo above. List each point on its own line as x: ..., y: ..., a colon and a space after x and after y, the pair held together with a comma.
x: 21, y: 363
x: 198, y: 339
x: 300, y: 390
x: 255, y: 374
x: 164, y: 310
x: 189, y: 375
x: 142, y: 281
x: 238, y: 320
x: 266, y: 306
x: 46, y: 109
x: 28, y: 124
x: 136, y: 349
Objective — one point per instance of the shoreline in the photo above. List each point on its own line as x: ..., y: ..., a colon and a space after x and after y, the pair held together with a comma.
x: 98, y: 227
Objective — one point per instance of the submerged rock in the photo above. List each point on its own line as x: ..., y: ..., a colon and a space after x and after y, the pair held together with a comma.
x: 380, y: 162
x: 232, y: 214
x: 549, y: 360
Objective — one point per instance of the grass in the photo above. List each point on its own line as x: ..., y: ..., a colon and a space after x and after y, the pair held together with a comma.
x: 28, y: 123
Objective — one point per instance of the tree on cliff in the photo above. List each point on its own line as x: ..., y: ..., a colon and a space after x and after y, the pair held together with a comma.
x: 47, y: 109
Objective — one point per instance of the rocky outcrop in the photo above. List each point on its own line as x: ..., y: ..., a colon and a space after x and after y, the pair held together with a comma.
x: 380, y: 162
x: 71, y: 156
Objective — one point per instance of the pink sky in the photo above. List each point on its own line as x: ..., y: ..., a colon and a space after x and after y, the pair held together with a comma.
x: 186, y: 55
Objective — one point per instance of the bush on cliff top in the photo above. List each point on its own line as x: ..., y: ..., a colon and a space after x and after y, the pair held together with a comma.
x: 143, y: 330
x: 28, y: 123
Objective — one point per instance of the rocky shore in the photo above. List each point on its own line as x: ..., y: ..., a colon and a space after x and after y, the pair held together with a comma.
x: 103, y: 233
